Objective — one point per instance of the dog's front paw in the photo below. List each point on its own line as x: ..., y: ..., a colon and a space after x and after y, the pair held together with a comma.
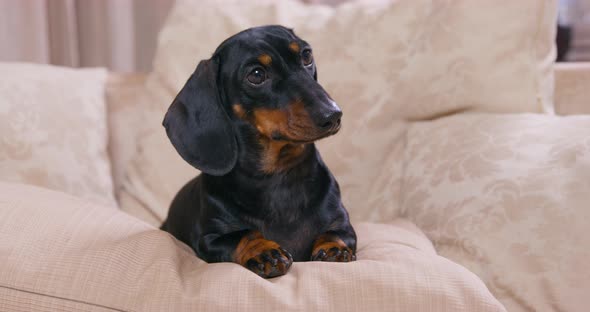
x: 334, y: 254
x: 270, y: 263
x: 331, y: 248
x: 261, y: 256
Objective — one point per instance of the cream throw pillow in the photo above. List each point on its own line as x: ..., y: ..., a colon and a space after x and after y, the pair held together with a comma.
x: 507, y: 196
x: 53, y: 129
x: 382, y: 61
x: 59, y: 253
x: 425, y: 58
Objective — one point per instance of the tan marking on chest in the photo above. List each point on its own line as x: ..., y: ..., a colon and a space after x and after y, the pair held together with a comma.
x: 279, y: 155
x: 239, y: 111
x: 291, y: 124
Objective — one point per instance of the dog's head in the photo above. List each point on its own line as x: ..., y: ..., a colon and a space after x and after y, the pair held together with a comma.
x: 264, y: 78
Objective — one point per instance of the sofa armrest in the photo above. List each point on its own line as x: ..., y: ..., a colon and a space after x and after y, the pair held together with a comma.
x: 572, y: 88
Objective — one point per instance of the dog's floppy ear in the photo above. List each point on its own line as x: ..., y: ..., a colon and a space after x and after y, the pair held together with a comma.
x: 198, y: 126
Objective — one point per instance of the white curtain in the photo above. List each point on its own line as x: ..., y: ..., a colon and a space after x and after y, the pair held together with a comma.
x: 117, y: 34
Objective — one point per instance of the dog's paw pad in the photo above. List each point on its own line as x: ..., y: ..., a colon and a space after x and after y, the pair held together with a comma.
x: 333, y: 254
x: 270, y: 263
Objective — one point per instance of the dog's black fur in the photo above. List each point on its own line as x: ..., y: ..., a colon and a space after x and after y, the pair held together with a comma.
x: 247, y: 118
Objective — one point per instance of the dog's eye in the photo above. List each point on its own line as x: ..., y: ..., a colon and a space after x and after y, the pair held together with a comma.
x: 307, y: 57
x: 256, y: 76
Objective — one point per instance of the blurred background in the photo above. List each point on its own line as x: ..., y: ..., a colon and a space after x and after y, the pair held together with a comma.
x: 121, y: 35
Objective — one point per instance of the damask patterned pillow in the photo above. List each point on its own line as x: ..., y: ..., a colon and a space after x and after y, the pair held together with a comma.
x: 507, y: 196
x: 382, y: 61
x: 53, y: 129
x: 425, y: 58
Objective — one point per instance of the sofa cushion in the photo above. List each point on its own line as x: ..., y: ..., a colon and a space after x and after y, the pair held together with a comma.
x: 382, y: 61
x: 507, y: 196
x: 53, y: 129
x: 58, y: 252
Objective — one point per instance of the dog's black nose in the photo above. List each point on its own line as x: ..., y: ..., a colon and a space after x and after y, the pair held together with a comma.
x: 331, y: 120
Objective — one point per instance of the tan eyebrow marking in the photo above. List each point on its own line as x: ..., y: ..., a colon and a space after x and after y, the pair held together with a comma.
x: 265, y: 59
x: 294, y: 46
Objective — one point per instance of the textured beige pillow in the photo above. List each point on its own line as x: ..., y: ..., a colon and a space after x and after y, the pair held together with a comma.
x: 126, y: 101
x: 425, y: 58
x: 61, y: 254
x: 153, y: 177
x: 508, y: 197
x: 571, y: 86
x: 382, y: 61
x: 53, y: 129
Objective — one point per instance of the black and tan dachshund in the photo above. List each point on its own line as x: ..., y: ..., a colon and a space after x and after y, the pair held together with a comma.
x: 248, y: 118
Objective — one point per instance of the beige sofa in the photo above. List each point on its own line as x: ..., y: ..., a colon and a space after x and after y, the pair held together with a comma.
x: 467, y: 191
